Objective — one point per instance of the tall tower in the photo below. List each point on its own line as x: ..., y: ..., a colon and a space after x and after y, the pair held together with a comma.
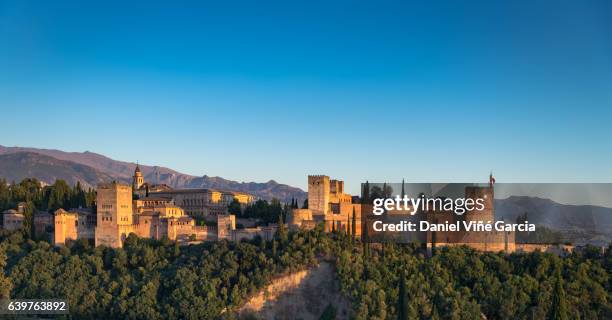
x: 318, y: 194
x: 487, y: 196
x: 138, y: 179
x: 114, y: 213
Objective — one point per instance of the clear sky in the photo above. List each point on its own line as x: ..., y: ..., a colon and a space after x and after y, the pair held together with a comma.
x: 278, y: 90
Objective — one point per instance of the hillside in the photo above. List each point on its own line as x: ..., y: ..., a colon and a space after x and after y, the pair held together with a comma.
x: 594, y: 221
x: 91, y: 168
x: 306, y: 292
x: 17, y: 166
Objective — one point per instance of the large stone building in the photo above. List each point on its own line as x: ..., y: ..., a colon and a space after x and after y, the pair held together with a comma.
x: 151, y: 218
x: 72, y: 225
x: 12, y: 219
x: 118, y: 215
x: 206, y: 203
x: 156, y: 212
x: 327, y: 204
x: 200, y: 202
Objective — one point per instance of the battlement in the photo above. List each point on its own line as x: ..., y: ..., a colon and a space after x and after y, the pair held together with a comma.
x: 114, y: 184
x: 318, y: 179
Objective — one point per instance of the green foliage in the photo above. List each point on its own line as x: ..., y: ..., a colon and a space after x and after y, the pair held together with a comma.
x: 329, y: 313
x: 266, y: 212
x: 461, y: 283
x: 148, y: 279
x: 48, y: 198
x: 235, y: 208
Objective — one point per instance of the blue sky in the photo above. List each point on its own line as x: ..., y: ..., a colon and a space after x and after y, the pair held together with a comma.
x: 357, y: 90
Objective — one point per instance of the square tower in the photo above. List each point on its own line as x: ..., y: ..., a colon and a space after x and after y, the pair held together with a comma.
x: 318, y: 194
x: 114, y: 213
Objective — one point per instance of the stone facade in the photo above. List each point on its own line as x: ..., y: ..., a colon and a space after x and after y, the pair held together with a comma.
x: 327, y: 204
x: 266, y: 233
x: 12, y: 220
x: 72, y: 225
x: 115, y: 214
x: 44, y: 224
x: 225, y: 225
x: 203, y: 202
x: 298, y: 216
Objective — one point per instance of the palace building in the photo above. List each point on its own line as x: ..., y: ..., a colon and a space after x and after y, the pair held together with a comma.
x: 201, y: 202
x: 156, y: 212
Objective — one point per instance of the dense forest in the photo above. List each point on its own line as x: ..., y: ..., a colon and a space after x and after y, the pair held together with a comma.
x: 262, y: 210
x: 399, y: 282
x: 150, y: 279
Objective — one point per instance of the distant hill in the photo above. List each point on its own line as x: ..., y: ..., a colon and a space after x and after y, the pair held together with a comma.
x: 583, y: 219
x: 17, y: 166
x: 91, y: 168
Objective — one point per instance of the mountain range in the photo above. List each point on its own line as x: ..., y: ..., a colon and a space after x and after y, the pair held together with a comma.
x: 89, y: 168
x: 592, y: 223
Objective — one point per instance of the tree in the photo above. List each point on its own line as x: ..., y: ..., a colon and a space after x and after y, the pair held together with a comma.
x: 329, y: 313
x: 402, y: 303
x: 559, y: 303
x: 5, y: 282
x: 274, y: 248
x: 365, y: 241
x: 365, y: 199
x: 235, y: 208
x: 282, y: 229
x: 353, y: 227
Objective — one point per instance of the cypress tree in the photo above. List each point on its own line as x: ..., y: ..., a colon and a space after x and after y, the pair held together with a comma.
x: 282, y: 231
x: 353, y: 227
x: 559, y: 303
x: 402, y: 304
x: 366, y: 246
x: 274, y: 246
x: 366, y: 193
x: 348, y: 227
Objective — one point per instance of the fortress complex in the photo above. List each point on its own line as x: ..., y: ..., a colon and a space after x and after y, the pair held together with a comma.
x: 165, y: 213
x: 327, y: 204
x: 116, y: 218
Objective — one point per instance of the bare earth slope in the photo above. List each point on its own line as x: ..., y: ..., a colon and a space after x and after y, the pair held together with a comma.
x: 300, y: 295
